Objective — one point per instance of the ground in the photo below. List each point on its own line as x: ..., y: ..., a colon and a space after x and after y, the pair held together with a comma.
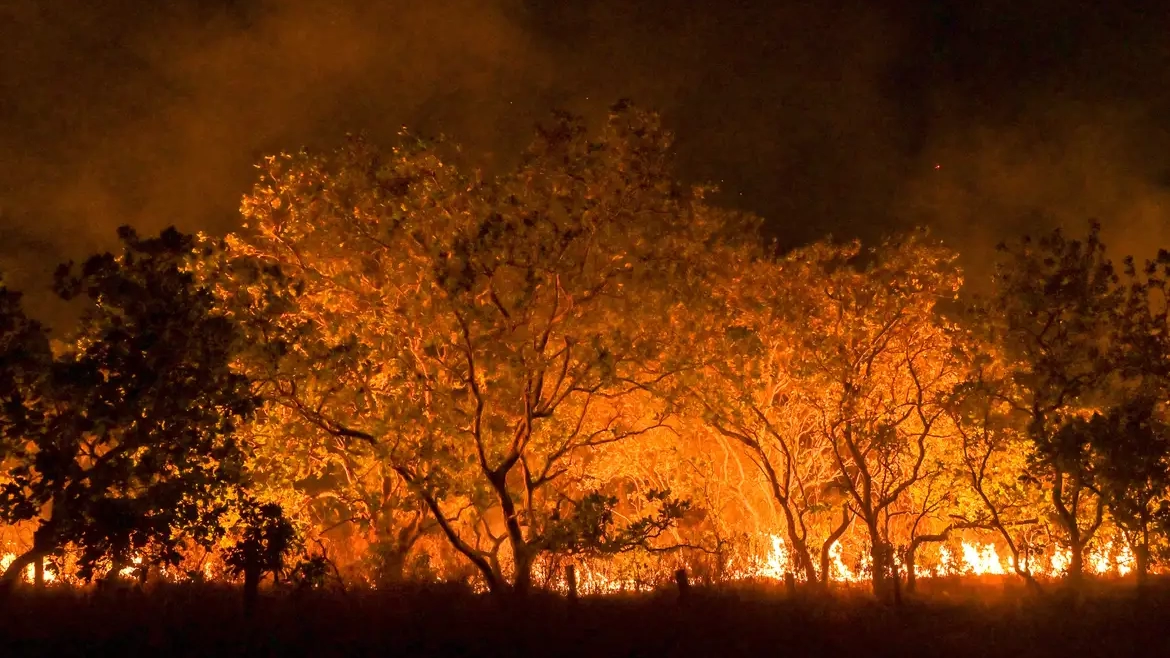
x: 188, y: 621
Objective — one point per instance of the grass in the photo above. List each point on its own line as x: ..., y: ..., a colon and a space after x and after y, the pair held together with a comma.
x: 207, y: 621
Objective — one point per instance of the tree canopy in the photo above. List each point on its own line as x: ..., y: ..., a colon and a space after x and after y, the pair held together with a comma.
x: 409, y: 368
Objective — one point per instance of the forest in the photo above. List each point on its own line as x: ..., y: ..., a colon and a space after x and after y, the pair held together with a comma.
x: 578, y: 375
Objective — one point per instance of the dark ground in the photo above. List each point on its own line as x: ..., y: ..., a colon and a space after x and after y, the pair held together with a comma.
x: 180, y: 621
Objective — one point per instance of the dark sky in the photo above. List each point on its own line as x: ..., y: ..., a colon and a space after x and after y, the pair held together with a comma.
x: 822, y: 116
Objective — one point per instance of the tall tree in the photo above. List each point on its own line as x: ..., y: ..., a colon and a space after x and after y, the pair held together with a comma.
x: 135, y: 453
x: 24, y: 367
x: 748, y: 393
x: 25, y: 359
x: 484, y: 336
x: 872, y: 356
x: 1131, y: 440
x: 994, y: 453
x: 1049, y: 318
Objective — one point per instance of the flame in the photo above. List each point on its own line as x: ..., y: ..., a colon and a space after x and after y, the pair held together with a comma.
x: 946, y: 561
x: 127, y: 572
x: 973, y: 558
x: 29, y: 572
x: 778, y: 560
x: 982, y: 561
x: 1061, y: 558
x: 837, y: 568
x: 1126, y: 562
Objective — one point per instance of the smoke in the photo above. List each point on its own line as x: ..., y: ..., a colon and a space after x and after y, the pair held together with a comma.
x: 825, y: 118
x: 154, y: 118
x: 1062, y: 169
x: 1044, y: 115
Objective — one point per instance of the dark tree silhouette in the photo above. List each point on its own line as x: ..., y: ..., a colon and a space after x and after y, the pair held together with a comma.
x: 266, y: 539
x: 24, y: 360
x: 134, y: 454
x: 1131, y: 441
x: 1055, y: 302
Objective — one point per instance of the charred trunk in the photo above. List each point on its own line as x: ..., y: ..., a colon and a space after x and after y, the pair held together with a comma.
x: 252, y: 576
x: 1141, y: 570
x: 522, y: 578
x: 879, y: 567
x: 1076, y: 563
x: 911, y: 574
x: 11, y: 577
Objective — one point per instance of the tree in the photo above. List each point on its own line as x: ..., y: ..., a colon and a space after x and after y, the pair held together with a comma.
x: 1131, y: 440
x: 134, y: 453
x: 266, y: 539
x: 482, y: 336
x: 1049, y: 318
x: 24, y: 366
x: 994, y: 454
x: 24, y: 359
x: 1131, y: 446
x: 925, y: 514
x: 871, y: 356
x: 748, y: 393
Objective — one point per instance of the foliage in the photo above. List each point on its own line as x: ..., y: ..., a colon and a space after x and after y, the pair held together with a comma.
x: 1049, y: 319
x: 591, y: 528
x: 266, y: 539
x: 482, y: 337
x: 136, y: 449
x: 24, y: 359
x: 434, y: 371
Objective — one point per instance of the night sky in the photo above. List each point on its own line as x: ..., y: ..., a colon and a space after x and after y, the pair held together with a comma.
x: 981, y: 119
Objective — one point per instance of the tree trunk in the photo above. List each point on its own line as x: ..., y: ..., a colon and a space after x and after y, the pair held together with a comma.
x: 522, y: 576
x: 846, y: 519
x: 39, y: 572
x: 1141, y: 555
x: 251, y: 589
x: 1023, y: 572
x: 13, y: 573
x: 571, y: 581
x: 911, y: 575
x: 879, y: 565
x: 1076, y: 563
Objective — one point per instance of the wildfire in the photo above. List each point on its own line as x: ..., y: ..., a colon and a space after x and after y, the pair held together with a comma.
x: 981, y: 561
x: 29, y: 572
x: 126, y: 572
x: 839, y: 571
x: 778, y: 561
x: 973, y: 558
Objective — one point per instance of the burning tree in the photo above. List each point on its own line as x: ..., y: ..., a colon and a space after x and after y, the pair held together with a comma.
x: 747, y: 393
x: 994, y: 456
x: 872, y: 360
x: 484, y: 337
